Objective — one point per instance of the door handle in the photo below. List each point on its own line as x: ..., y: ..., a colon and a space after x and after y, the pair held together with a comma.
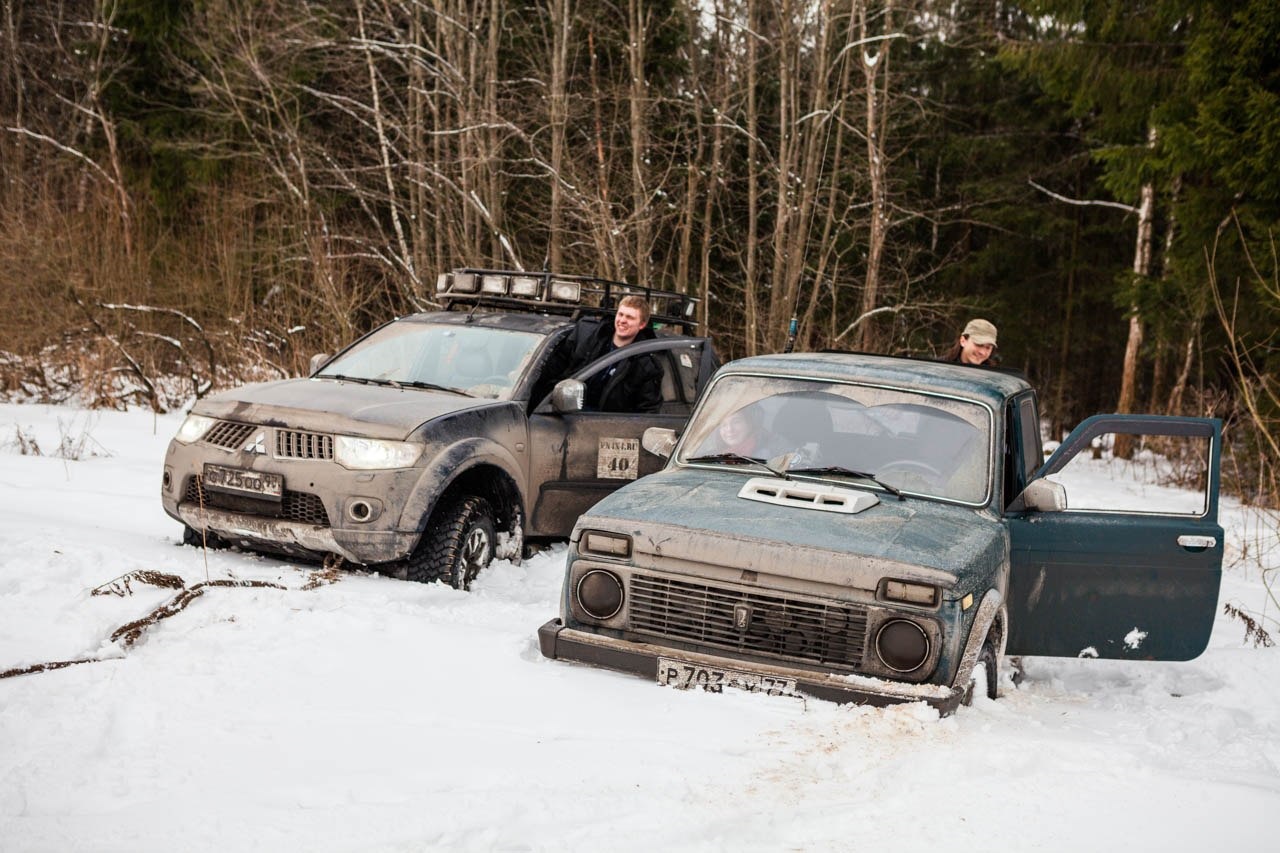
x: 1189, y: 541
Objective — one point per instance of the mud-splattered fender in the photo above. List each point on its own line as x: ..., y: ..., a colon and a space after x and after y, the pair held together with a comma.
x: 450, y: 463
x: 991, y: 611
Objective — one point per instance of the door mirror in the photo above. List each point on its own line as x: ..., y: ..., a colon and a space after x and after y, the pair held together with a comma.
x: 567, y: 396
x: 1044, y: 496
x: 317, y: 361
x: 659, y: 441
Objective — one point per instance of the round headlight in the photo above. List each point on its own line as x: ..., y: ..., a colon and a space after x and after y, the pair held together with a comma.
x: 600, y: 594
x: 903, y: 646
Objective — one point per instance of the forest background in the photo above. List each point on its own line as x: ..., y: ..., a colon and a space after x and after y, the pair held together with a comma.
x: 195, y: 194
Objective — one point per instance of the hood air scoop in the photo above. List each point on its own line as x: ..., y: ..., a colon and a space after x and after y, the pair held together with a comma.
x: 807, y: 495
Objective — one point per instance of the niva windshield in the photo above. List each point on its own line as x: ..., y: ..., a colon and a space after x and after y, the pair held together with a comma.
x: 471, y: 360
x: 918, y: 443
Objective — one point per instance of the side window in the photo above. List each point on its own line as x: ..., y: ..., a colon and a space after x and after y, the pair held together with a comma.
x: 1023, y: 449
x: 1146, y: 474
x: 551, y: 369
x: 676, y: 397
x: 1032, y: 448
x: 687, y: 361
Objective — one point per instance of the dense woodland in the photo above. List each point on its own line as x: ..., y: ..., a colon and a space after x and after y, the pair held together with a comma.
x: 200, y: 193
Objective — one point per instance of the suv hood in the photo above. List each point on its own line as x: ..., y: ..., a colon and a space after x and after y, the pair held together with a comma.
x: 695, y: 514
x: 328, y: 405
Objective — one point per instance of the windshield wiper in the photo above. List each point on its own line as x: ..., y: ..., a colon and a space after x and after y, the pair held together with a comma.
x: 848, y: 472
x: 430, y: 386
x: 394, y: 383
x: 738, y: 459
x: 341, y: 378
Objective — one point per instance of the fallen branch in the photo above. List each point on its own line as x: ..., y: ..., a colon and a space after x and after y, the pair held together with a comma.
x: 129, y: 633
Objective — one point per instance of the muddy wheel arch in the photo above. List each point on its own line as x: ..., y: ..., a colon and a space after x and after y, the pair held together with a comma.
x: 499, y: 489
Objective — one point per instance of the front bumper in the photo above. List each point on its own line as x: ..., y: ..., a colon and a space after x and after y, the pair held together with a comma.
x: 563, y: 643
x: 297, y: 538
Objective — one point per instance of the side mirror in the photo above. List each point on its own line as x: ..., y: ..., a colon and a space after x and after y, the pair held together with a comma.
x: 317, y: 360
x: 567, y: 396
x: 1045, y: 496
x: 659, y: 441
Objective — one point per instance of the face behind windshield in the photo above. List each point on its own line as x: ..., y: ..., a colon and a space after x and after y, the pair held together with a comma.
x: 479, y: 361
x: 915, y: 442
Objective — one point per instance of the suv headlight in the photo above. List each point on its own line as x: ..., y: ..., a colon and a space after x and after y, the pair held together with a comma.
x: 371, y: 453
x: 194, y: 428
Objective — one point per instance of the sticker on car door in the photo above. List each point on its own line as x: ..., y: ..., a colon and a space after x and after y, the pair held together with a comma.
x: 618, y: 459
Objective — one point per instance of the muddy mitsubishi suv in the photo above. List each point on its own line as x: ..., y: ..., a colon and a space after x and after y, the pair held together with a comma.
x: 874, y: 529
x: 437, y: 441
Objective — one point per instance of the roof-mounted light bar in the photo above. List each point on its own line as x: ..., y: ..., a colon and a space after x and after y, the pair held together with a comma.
x: 558, y: 293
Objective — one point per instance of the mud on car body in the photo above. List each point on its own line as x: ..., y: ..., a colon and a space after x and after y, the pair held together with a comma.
x: 888, y: 532
x: 435, y: 442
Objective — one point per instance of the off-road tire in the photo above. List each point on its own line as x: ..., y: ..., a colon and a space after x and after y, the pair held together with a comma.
x: 457, y: 545
x: 196, y: 539
x: 986, y: 659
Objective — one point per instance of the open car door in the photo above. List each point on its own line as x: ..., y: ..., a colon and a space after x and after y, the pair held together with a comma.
x: 1130, y: 566
x: 577, y: 458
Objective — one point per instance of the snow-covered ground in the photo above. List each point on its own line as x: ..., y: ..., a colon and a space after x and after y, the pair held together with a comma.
x: 365, y: 713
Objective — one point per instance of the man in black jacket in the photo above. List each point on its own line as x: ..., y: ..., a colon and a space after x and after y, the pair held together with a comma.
x: 630, y: 385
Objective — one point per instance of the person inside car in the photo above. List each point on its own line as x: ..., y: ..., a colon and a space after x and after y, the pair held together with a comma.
x: 630, y: 385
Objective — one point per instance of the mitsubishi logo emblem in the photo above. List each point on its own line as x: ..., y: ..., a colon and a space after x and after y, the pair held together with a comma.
x: 741, y: 616
x: 257, y: 444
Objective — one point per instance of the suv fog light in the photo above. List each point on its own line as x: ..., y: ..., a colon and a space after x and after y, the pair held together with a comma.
x: 361, y: 510
x: 600, y: 594
x: 903, y: 646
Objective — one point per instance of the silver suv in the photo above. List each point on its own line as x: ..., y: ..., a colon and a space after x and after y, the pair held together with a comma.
x: 438, y: 441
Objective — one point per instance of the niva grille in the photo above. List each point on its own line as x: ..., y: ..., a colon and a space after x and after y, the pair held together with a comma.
x: 229, y: 434
x: 778, y: 627
x: 294, y: 506
x: 296, y: 444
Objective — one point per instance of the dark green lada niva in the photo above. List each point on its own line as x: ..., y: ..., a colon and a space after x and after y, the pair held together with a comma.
x: 875, y: 529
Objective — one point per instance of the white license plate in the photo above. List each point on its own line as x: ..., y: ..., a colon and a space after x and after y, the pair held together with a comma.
x: 684, y: 675
x: 238, y: 481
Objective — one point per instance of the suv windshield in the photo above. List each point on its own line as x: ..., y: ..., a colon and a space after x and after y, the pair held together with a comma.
x: 919, y: 443
x: 473, y: 360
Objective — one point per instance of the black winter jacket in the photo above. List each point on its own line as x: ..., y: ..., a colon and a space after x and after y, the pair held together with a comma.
x: 631, y: 385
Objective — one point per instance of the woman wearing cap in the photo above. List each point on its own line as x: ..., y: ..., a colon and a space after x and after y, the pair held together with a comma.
x: 977, y: 342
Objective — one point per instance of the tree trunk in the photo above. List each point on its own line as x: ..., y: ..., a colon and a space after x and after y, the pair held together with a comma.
x: 1141, y: 269
x: 638, y: 104
x: 559, y: 108
x: 875, y: 69
x: 753, y: 191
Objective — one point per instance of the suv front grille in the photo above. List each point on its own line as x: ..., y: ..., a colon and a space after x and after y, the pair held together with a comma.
x: 229, y: 434
x: 796, y: 629
x: 290, y: 443
x: 294, y: 506
x: 296, y: 444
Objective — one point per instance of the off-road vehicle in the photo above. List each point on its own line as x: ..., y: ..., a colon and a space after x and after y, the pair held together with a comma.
x: 437, y: 441
x: 875, y: 529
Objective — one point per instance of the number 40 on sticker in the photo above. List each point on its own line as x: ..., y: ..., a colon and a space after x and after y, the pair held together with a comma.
x: 618, y: 459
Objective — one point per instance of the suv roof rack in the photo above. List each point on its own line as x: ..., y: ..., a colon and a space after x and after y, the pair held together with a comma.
x: 554, y: 293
